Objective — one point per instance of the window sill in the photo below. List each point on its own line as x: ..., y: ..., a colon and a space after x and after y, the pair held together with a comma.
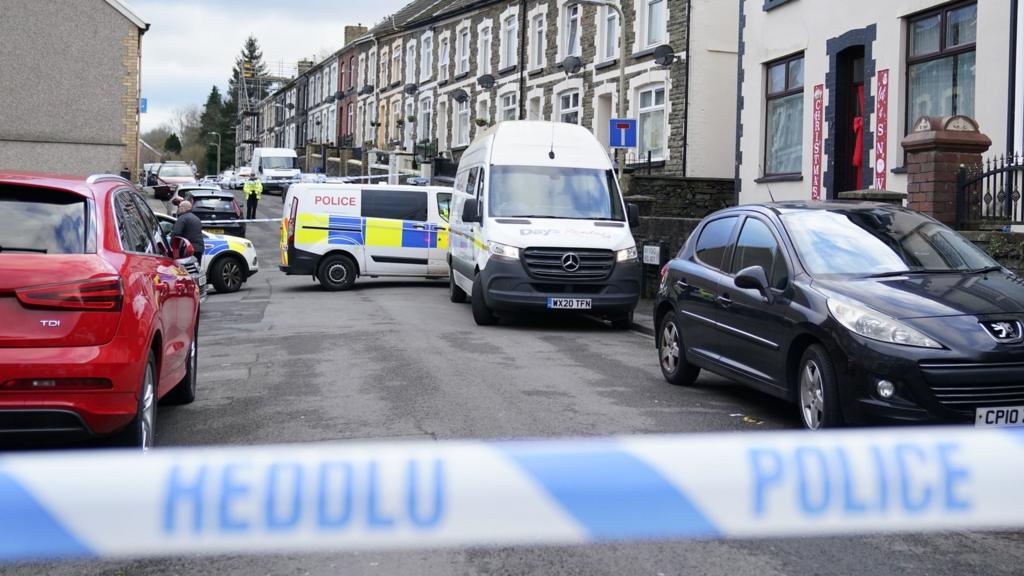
x: 644, y: 52
x: 535, y: 72
x: 507, y: 69
x: 773, y: 4
x: 780, y: 178
x: 899, y: 170
x: 606, y: 64
x: 395, y: 84
x: 462, y: 75
x: 442, y: 82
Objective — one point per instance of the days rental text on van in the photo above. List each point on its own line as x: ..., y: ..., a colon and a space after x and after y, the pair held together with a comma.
x: 276, y: 168
x: 336, y: 232
x: 538, y: 222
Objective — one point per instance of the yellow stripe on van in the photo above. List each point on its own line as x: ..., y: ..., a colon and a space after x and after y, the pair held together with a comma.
x: 442, y: 237
x: 304, y: 235
x: 380, y: 232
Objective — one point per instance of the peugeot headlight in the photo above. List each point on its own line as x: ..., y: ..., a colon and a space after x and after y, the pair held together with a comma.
x: 503, y: 251
x: 877, y: 326
x: 627, y: 255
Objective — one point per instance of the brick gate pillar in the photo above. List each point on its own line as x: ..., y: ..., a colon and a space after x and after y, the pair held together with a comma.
x: 936, y: 149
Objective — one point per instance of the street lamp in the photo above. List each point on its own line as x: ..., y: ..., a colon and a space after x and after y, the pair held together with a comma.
x: 217, y: 134
x: 620, y: 18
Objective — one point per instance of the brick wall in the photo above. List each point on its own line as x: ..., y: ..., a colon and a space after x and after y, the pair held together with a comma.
x: 679, y: 197
x: 670, y: 234
x: 932, y: 182
x: 131, y: 62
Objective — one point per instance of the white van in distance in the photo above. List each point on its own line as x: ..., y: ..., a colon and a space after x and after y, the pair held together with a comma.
x: 337, y: 232
x: 538, y: 222
x: 275, y: 167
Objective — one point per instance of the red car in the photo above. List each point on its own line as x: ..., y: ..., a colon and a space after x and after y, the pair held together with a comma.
x: 97, y: 320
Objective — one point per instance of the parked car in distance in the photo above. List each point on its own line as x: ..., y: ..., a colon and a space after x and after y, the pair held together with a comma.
x: 228, y: 261
x: 240, y: 177
x: 210, y: 203
x: 227, y: 178
x: 858, y: 312
x: 99, y: 320
x: 171, y: 175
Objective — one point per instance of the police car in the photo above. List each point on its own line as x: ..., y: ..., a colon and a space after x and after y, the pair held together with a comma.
x: 228, y: 261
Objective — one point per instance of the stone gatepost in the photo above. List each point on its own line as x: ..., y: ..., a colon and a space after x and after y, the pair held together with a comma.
x: 936, y: 149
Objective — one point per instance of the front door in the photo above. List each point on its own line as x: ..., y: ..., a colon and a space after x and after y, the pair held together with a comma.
x: 751, y: 325
x: 850, y: 153
x: 397, y: 232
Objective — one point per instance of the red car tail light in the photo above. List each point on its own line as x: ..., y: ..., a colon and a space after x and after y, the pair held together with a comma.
x: 57, y: 384
x: 98, y: 295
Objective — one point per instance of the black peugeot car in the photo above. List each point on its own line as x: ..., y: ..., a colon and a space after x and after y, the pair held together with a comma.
x: 858, y: 312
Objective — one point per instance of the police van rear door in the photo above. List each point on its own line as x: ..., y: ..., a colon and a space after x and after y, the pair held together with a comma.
x: 398, y: 235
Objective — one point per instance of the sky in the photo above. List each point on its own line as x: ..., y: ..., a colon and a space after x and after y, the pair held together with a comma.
x: 192, y: 44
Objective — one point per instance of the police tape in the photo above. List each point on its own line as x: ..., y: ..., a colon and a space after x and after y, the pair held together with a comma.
x: 453, y: 494
x: 250, y: 221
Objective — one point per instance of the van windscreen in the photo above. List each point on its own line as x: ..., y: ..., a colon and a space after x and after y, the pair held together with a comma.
x: 554, y: 192
x: 277, y: 163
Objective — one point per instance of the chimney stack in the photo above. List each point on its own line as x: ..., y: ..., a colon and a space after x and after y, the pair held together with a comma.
x: 353, y: 32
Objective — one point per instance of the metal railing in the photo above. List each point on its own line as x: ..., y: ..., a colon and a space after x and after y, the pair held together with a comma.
x: 989, y: 194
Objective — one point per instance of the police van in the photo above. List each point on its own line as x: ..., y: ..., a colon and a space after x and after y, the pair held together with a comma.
x: 538, y: 222
x: 337, y: 232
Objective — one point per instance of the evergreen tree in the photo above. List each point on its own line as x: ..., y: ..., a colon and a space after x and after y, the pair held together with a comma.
x: 211, y: 120
x: 172, y: 145
x: 250, y: 68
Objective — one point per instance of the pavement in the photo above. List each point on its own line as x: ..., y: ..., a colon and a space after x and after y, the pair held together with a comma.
x: 282, y: 361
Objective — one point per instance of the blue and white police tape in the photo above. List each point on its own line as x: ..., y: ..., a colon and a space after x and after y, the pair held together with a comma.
x: 450, y: 494
x: 249, y: 221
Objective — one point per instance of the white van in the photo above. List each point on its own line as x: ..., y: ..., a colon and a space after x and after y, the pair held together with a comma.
x: 336, y: 232
x: 275, y: 167
x: 538, y: 222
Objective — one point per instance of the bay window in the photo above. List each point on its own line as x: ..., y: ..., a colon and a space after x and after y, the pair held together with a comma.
x: 941, y: 63
x: 784, y: 113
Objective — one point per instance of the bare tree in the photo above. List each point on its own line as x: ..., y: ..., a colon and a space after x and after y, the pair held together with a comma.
x: 186, y: 123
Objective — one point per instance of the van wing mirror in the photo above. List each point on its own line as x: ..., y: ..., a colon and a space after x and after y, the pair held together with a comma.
x: 633, y: 215
x: 754, y: 278
x: 471, y: 211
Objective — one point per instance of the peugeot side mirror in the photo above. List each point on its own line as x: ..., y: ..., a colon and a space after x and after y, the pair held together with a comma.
x: 471, y: 211
x: 181, y: 248
x: 754, y: 278
x: 633, y: 215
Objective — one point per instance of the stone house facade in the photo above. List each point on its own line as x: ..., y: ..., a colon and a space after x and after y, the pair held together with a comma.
x: 44, y: 125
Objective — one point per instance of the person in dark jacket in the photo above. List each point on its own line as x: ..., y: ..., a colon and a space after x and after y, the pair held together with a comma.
x: 190, y: 227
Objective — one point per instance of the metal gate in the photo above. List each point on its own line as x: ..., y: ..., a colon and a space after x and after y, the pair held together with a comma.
x: 989, y: 194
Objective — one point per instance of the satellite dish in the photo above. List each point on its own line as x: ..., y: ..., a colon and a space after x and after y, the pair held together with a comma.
x: 411, y: 89
x: 486, y: 81
x: 572, y: 65
x: 664, y: 55
x: 366, y: 90
x: 460, y: 96
x: 339, y: 95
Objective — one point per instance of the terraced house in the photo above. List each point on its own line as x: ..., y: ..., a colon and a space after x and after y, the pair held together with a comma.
x: 430, y: 77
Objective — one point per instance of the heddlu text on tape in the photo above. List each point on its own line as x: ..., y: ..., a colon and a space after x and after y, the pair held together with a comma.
x: 417, y: 495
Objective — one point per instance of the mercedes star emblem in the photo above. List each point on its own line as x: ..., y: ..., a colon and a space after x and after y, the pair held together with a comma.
x: 570, y: 262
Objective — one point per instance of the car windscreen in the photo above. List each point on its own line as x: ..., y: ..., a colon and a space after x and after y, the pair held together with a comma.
x: 213, y: 205
x: 277, y: 163
x: 554, y: 192
x: 175, y: 172
x: 36, y: 220
x: 883, y: 241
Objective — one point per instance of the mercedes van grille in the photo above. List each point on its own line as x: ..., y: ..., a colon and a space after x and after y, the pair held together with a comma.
x: 547, y: 263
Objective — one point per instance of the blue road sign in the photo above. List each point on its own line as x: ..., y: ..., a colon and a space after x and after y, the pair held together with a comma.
x: 143, y: 104
x: 622, y: 133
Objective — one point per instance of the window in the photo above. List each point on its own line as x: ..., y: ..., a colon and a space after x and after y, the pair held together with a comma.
x: 384, y: 70
x: 785, y: 116
x: 610, y: 36
x: 444, y: 205
x: 569, y: 107
x: 484, y: 56
x: 362, y: 71
x: 537, y: 57
x: 42, y: 219
x: 941, y: 63
x: 410, y: 63
x: 509, y: 106
x: 572, y: 30
x: 652, y: 122
x: 757, y: 246
x: 461, y: 123
x: 427, y: 58
x: 132, y: 229
x: 463, y: 52
x: 396, y: 65
x: 395, y: 205
x: 713, y: 241
x: 483, y: 110
x: 654, y: 22
x: 442, y: 126
x: 442, y: 64
x: 410, y: 110
x: 350, y: 128
x: 536, y: 109
x: 509, y: 41
x: 426, y: 119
